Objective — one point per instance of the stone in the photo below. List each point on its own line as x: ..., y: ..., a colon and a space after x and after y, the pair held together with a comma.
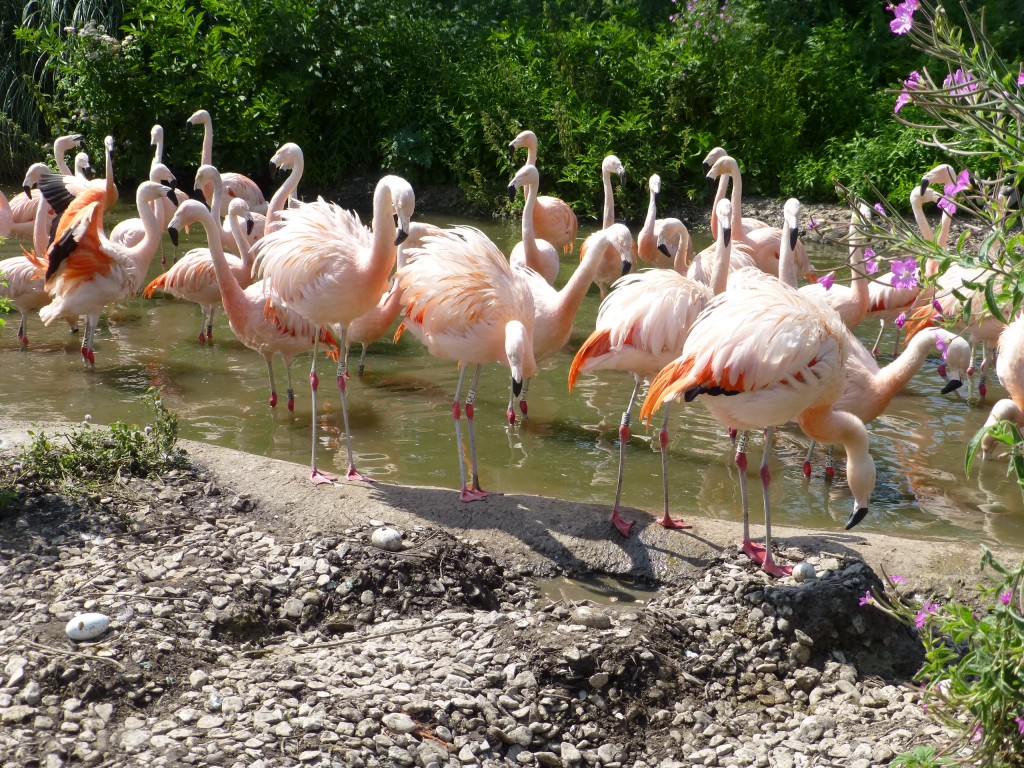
x: 590, y: 617
x: 399, y: 722
x: 387, y: 538
x: 16, y: 714
x: 198, y: 679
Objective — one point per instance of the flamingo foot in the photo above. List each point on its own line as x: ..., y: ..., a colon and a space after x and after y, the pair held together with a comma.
x: 941, y: 370
x: 673, y: 525
x: 511, y: 414
x: 320, y: 478
x: 163, y: 261
x: 754, y: 551
x: 807, y: 469
x: 24, y: 342
x: 354, y: 474
x: 470, y: 494
x: 362, y: 367
x: 982, y: 390
x: 623, y: 526
x: 970, y: 370
x: 523, y: 409
x: 273, y: 399
x: 874, y: 351
x: 291, y: 400
x: 830, y: 473
x: 772, y: 568
x: 202, y: 337
x: 91, y: 357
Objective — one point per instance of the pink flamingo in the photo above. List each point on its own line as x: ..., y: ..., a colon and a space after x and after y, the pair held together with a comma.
x: 235, y: 184
x: 641, y: 327
x: 130, y: 232
x: 851, y: 302
x: 556, y: 310
x: 466, y: 303
x: 286, y: 333
x: 287, y: 158
x: 23, y: 205
x: 788, y: 363
x: 533, y: 252
x: 723, y: 185
x: 1010, y: 370
x: 764, y: 242
x: 194, y: 278
x: 553, y: 219
x: 325, y: 265
x: 610, y: 270
x: 85, y: 270
x: 209, y: 178
x: 673, y: 239
x: 647, y: 240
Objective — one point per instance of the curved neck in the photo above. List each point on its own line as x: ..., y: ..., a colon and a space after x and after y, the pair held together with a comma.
x: 723, y: 184
x: 40, y: 233
x: 528, y: 232
x: 242, y: 243
x: 859, y: 283
x: 737, y: 198
x: 141, y: 254
x: 917, y: 205
x: 281, y: 196
x: 645, y: 239
x: 158, y: 152
x: 573, y: 292
x: 109, y: 177
x: 58, y: 155
x: 720, y: 274
x: 207, y: 155
x: 680, y: 262
x: 828, y: 426
x: 531, y: 153
x: 231, y: 292
x: 217, y: 203
x: 608, y: 214
x: 896, y: 375
x: 384, y: 251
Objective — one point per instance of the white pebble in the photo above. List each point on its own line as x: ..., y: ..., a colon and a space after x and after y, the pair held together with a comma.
x: 86, y: 626
x: 389, y: 539
x: 803, y: 571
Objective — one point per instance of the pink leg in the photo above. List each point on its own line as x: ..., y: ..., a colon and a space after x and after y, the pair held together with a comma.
x: 510, y: 413
x: 807, y: 460
x: 881, y: 330
x: 202, y: 328
x: 624, y: 526
x: 752, y: 550
x: 522, y: 399
x: 352, y: 473
x: 318, y: 477
x: 478, y: 492
x: 666, y: 519
x: 270, y: 374
x: 830, y: 470
x: 465, y: 494
x: 768, y: 564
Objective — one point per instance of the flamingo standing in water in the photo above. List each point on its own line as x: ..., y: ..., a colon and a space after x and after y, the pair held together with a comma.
x: 85, y: 270
x: 286, y: 333
x: 209, y: 178
x: 465, y: 303
x: 1010, y: 370
x: 553, y: 219
x: 533, y: 252
x: 556, y: 310
x: 851, y: 302
x: 235, y: 184
x: 647, y: 240
x: 23, y: 205
x: 325, y: 265
x: 710, y: 159
x: 786, y: 364
x: 610, y: 270
x: 287, y: 158
x: 641, y: 326
x: 130, y: 232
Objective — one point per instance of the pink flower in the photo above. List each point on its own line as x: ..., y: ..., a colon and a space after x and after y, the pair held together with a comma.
x: 865, y: 599
x: 827, y: 280
x: 1020, y: 77
x: 812, y: 224
x: 904, y: 17
x: 946, y: 204
x: 897, y: 580
x: 926, y: 610
x: 976, y: 734
x: 870, y: 263
x: 901, y: 319
x: 964, y: 79
x: 1020, y: 724
x: 1006, y: 597
x: 880, y: 209
x: 904, y: 274
x: 901, y: 101
x: 942, y: 345
x: 937, y: 306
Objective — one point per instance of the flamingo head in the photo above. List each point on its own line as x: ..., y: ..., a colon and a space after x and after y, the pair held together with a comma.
x: 189, y: 212
x: 711, y: 158
x: 108, y: 144
x: 723, y: 165
x: 200, y: 116
x: 940, y: 174
x: 525, y: 177
x: 671, y: 230
x: 82, y: 165
x: 161, y: 173
x: 287, y: 156
x: 723, y: 212
x: 611, y: 164
x: 519, y: 353
x: 791, y: 219
x: 32, y: 176
x: 403, y: 201
x: 526, y: 139
x: 957, y: 359
x: 156, y: 135
x: 654, y: 184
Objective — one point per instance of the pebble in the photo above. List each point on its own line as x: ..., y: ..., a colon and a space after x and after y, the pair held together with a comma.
x: 387, y: 538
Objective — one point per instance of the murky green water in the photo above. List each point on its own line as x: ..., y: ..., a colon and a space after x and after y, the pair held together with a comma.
x: 403, y: 432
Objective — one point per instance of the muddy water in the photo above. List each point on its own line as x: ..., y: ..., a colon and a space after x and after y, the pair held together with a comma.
x: 569, y: 448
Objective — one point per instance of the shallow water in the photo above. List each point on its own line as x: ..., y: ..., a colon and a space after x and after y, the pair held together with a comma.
x: 402, y: 428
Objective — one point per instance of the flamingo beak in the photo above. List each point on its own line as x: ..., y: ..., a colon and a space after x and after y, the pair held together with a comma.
x: 626, y: 266
x: 249, y: 224
x: 705, y: 167
x: 401, y: 236
x: 511, y: 191
x: 197, y: 194
x: 924, y: 184
x: 512, y: 152
x: 517, y: 386
x: 622, y: 177
x: 858, y: 515
x: 727, y: 234
x: 793, y: 235
x: 951, y: 386
x: 664, y: 249
x: 170, y: 193
x: 28, y: 191
x: 173, y: 233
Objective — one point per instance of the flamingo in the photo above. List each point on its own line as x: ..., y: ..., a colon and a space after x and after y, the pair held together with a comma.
x: 466, y: 303
x: 533, y: 252
x: 130, y: 232
x: 749, y: 224
x: 235, y: 184
x: 641, y: 327
x: 367, y: 328
x: 289, y: 158
x: 764, y: 242
x: 193, y: 278
x: 209, y: 178
x: 851, y: 302
x: 156, y: 141
x: 1010, y: 370
x: 553, y: 218
x: 324, y: 264
x: 556, y: 310
x: 786, y: 364
x: 610, y: 271
x: 23, y: 205
x: 287, y: 333
x: 648, y: 237
x: 672, y: 238
x: 85, y: 270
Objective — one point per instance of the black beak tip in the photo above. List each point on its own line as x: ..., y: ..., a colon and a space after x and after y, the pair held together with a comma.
x: 28, y: 191
x: 704, y: 168
x: 170, y: 194
x: 197, y: 194
x: 511, y: 192
x: 517, y: 387
x: 401, y: 237
x: 858, y: 515
x: 951, y: 386
x: 173, y: 233
x: 727, y: 234
x: 626, y: 266
x: 924, y: 185
x: 793, y: 235
x: 664, y: 249
x: 249, y: 224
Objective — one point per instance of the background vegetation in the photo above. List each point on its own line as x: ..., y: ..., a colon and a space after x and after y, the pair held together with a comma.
x: 435, y: 89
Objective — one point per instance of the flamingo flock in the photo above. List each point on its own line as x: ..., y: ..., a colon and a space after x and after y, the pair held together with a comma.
x: 729, y: 327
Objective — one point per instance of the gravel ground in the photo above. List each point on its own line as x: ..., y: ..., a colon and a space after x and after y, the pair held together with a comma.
x: 235, y: 644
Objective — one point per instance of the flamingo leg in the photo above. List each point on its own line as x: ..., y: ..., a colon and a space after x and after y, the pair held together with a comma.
x: 878, y: 340
x: 522, y: 399
x: 353, y: 473
x: 291, y: 392
x: 754, y: 551
x: 87, y: 340
x: 807, y: 459
x: 624, y: 526
x: 209, y: 324
x: 830, y: 469
x: 510, y: 411
x: 315, y: 474
x: 666, y: 519
x: 768, y: 564
x: 896, y: 346
x: 477, y: 491
x: 270, y: 374
x: 464, y: 494
x: 23, y: 331
x: 982, y: 389
x: 202, y: 326
x: 362, y: 361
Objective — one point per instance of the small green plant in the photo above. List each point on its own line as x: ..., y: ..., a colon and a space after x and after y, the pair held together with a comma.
x: 86, y: 457
x: 973, y: 675
x: 920, y: 757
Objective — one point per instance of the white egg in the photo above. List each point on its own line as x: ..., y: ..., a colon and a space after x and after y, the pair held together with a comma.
x: 387, y: 538
x: 86, y: 626
x: 803, y: 571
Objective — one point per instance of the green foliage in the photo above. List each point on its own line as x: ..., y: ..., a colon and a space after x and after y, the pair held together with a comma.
x: 85, y: 457
x: 973, y: 675
x: 919, y: 757
x: 1004, y: 433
